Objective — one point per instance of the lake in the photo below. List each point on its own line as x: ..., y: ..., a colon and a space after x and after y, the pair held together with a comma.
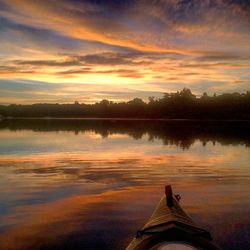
x: 91, y: 184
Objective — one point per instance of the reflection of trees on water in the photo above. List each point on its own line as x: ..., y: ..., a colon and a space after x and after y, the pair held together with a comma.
x: 172, y: 132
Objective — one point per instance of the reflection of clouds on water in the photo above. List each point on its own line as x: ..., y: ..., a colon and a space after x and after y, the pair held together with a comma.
x: 103, y: 188
x: 131, y: 167
x: 56, y: 222
x: 100, y: 219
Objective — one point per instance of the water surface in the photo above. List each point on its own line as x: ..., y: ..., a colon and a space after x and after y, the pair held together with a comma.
x: 90, y: 184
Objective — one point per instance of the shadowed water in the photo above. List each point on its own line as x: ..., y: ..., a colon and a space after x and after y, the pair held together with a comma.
x: 91, y: 184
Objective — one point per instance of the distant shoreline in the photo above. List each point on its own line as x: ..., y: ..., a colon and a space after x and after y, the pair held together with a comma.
x: 121, y: 119
x: 181, y: 106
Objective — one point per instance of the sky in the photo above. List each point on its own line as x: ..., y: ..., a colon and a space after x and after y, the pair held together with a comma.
x: 89, y: 50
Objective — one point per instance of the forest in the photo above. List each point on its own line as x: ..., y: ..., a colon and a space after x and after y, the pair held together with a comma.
x: 179, y: 105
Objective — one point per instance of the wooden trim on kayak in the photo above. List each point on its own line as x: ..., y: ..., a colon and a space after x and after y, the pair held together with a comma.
x: 170, y: 223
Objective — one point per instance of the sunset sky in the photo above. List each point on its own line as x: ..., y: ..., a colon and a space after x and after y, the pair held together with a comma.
x: 89, y: 50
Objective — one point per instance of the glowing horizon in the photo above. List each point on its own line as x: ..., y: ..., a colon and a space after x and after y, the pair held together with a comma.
x: 117, y: 50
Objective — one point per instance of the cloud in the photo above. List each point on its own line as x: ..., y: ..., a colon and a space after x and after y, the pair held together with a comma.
x: 76, y: 64
x: 110, y: 59
x: 119, y: 72
x: 80, y: 21
x: 49, y: 63
x: 170, y: 25
x: 107, y: 58
x: 223, y: 57
x: 11, y: 69
x: 125, y: 43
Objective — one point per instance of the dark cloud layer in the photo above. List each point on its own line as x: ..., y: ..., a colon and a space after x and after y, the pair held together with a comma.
x: 107, y: 58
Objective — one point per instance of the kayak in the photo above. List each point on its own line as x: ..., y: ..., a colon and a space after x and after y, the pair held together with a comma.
x: 170, y: 227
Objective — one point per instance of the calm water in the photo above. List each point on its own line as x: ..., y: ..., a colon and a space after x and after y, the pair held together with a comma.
x: 90, y: 184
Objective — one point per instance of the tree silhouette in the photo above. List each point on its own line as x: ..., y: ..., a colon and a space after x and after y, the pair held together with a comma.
x: 179, y: 105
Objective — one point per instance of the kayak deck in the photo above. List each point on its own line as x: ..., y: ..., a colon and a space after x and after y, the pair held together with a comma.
x: 169, y: 223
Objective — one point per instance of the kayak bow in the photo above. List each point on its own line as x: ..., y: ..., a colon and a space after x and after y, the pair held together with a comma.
x: 170, y: 227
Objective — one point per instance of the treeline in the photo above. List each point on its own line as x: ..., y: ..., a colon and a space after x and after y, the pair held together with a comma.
x: 180, y: 105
